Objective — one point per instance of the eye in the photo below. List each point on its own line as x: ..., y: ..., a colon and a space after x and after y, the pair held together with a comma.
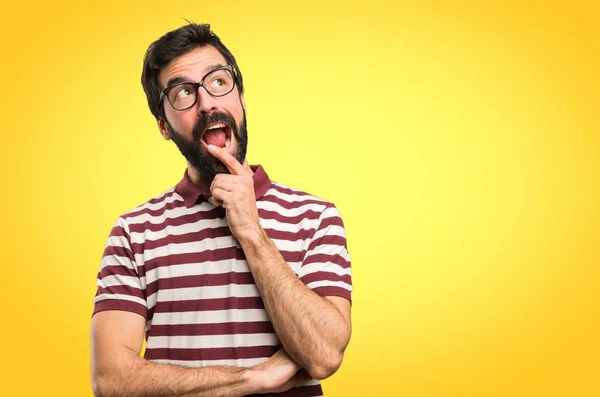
x: 182, y: 92
x: 218, y: 82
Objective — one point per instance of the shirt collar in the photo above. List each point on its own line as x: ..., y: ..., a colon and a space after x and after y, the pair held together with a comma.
x: 191, y: 193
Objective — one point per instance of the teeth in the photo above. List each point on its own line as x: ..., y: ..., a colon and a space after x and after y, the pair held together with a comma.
x: 227, y: 142
x: 216, y: 126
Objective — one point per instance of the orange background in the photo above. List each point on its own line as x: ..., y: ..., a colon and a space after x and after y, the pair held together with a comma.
x: 459, y: 139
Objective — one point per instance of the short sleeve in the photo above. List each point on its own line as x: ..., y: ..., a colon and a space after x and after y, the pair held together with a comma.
x: 119, y: 285
x: 326, y: 265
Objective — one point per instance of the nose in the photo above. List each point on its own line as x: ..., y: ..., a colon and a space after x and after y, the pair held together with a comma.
x: 206, y: 103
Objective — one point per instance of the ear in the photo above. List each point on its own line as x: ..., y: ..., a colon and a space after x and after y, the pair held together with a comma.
x: 243, y: 102
x: 163, y: 126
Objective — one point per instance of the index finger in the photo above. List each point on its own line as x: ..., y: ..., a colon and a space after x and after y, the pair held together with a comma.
x: 230, y: 162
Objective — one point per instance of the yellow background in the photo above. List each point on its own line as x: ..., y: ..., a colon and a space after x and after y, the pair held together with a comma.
x: 460, y: 140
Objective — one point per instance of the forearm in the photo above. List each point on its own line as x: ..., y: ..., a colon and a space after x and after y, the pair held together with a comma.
x: 310, y: 328
x: 135, y: 376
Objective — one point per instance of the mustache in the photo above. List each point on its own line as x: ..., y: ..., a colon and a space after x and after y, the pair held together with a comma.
x: 212, y: 118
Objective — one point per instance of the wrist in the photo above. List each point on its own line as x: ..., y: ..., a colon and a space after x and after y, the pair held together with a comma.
x: 252, y: 237
x: 253, y: 379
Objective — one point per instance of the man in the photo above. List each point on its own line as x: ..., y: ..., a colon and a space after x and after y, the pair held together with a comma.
x: 240, y: 285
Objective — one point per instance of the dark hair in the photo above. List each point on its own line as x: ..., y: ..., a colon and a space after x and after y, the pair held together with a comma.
x: 172, y: 45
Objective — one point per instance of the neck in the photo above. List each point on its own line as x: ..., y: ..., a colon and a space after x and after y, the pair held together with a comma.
x: 200, y: 180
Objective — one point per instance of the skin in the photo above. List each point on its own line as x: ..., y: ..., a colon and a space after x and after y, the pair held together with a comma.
x: 313, y: 330
x: 193, y: 66
x: 118, y: 370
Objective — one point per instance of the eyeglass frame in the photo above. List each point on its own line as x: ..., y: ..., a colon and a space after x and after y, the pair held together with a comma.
x: 197, y: 85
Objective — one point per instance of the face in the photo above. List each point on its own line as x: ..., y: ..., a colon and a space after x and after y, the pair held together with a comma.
x: 220, y: 120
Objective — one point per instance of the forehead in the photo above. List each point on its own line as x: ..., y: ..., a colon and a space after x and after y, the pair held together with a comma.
x: 192, y: 65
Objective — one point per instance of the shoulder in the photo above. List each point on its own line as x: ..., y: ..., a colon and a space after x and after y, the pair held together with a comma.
x: 292, y: 197
x: 289, y: 201
x: 156, y: 206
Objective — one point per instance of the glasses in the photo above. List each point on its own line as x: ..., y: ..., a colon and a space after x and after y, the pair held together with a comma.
x: 217, y: 83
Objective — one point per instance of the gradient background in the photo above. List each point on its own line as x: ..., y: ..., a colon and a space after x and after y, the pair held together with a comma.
x: 459, y: 140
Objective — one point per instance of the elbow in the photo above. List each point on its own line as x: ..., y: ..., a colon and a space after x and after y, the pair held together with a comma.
x: 325, y: 368
x: 101, y: 386
x: 330, y: 360
x: 97, y: 388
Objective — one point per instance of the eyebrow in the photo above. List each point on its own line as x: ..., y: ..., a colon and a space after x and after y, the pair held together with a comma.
x: 176, y: 80
x: 180, y: 79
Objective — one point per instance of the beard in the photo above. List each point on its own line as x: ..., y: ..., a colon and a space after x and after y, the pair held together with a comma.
x: 199, y: 157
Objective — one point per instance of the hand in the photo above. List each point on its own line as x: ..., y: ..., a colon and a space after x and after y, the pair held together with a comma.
x: 278, y: 374
x: 235, y: 192
x: 300, y: 378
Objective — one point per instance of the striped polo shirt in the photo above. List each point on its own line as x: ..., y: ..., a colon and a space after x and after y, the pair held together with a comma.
x: 174, y: 261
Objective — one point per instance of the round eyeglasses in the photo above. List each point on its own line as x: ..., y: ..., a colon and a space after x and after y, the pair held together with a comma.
x: 217, y: 83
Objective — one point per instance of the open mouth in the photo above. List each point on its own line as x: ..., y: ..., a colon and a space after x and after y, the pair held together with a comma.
x: 218, y: 134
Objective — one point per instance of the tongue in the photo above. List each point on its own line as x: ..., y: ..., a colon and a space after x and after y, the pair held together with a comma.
x: 215, y: 137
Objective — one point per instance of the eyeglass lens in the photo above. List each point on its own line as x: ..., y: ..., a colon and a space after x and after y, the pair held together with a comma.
x: 217, y: 83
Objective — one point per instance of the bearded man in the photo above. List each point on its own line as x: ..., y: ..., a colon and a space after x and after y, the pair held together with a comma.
x: 239, y: 285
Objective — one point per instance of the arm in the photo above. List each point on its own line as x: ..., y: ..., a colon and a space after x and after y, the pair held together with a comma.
x: 314, y: 330
x: 118, y: 370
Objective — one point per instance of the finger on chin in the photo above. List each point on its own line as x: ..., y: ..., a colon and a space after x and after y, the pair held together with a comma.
x: 227, y: 159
